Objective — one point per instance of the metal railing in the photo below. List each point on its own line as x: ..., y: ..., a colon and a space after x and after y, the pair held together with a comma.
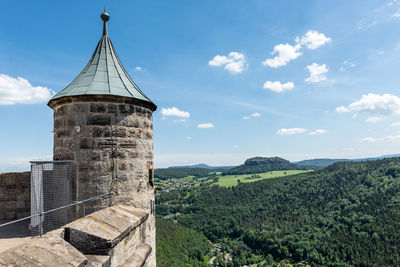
x: 42, y: 214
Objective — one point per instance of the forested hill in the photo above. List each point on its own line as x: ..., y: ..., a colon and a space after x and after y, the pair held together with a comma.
x: 180, y: 246
x: 167, y: 173
x: 327, y: 162
x: 345, y: 214
x: 204, y: 166
x: 261, y: 164
x: 319, y: 162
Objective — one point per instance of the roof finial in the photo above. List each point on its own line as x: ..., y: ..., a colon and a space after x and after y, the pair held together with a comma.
x: 105, y: 17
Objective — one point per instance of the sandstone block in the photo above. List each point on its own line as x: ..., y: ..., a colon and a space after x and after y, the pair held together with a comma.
x: 20, y: 204
x: 86, y: 143
x: 112, y: 108
x: 119, y: 132
x: 97, y: 107
x: 99, y: 119
x: 97, y: 132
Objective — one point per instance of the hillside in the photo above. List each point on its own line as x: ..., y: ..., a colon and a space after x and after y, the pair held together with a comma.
x: 179, y: 246
x: 178, y: 173
x: 345, y: 214
x: 261, y: 164
x: 327, y: 162
x: 204, y: 166
x: 319, y: 162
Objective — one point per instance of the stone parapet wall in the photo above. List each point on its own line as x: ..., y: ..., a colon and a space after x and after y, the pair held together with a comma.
x: 15, y: 195
x: 115, y: 236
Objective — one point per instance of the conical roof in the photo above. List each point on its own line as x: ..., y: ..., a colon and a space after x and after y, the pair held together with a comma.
x: 104, y: 74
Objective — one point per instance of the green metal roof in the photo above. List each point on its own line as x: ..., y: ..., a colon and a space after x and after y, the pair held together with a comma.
x: 103, y: 74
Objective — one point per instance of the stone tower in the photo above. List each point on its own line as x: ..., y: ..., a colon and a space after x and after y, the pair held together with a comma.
x: 103, y: 122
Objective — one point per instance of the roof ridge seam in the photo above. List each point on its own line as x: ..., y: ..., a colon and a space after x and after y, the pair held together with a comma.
x: 127, y: 75
x: 97, y: 66
x: 114, y: 54
x: 108, y: 74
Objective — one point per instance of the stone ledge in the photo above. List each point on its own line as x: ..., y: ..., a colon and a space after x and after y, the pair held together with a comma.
x: 98, y: 261
x: 109, y: 237
x: 140, y: 256
x: 43, y: 252
x: 100, y: 231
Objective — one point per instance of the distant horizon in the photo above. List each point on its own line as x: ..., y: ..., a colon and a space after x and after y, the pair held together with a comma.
x: 294, y: 79
x: 24, y: 165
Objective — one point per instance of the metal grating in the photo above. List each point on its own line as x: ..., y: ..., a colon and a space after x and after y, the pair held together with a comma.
x: 51, y: 188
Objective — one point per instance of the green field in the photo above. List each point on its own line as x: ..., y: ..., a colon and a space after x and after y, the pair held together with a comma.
x: 232, y: 180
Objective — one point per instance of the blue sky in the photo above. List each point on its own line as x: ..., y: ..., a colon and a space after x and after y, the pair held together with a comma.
x: 231, y: 79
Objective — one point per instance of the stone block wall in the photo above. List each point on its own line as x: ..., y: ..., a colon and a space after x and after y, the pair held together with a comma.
x: 111, y: 144
x: 15, y: 195
x: 112, y: 237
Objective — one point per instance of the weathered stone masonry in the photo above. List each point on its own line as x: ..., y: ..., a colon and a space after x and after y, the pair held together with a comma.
x: 15, y: 195
x: 112, y: 145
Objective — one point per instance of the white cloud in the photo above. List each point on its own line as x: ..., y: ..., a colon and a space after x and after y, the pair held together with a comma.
x: 313, y: 39
x: 286, y: 53
x: 205, y: 125
x: 366, y: 24
x: 20, y: 91
x: 392, y: 137
x: 278, y: 87
x: 188, y: 138
x: 317, y: 131
x: 291, y: 131
x: 235, y: 146
x: 395, y: 124
x: 373, y: 119
x: 235, y: 62
x: 317, y: 73
x: 166, y: 112
x: 255, y: 114
x: 368, y: 140
x: 347, y: 65
x: 138, y: 68
x: 180, y: 120
x: 375, y: 104
x: 342, y: 109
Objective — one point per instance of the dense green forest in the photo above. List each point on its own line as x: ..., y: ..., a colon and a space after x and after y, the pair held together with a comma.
x: 179, y: 246
x: 168, y: 173
x: 260, y: 165
x: 347, y: 214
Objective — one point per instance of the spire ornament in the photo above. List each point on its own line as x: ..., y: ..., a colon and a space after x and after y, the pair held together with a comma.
x: 105, y: 17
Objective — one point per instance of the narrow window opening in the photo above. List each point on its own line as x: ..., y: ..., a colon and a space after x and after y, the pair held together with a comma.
x: 151, y: 177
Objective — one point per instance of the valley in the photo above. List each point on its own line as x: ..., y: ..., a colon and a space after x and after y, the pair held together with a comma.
x: 345, y: 214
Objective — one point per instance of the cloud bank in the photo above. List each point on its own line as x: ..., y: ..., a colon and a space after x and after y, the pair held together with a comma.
x: 235, y: 62
x: 21, y: 91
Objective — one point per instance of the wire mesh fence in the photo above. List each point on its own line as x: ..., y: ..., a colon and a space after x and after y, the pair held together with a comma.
x: 51, y: 187
x: 52, y: 201
x: 45, y: 219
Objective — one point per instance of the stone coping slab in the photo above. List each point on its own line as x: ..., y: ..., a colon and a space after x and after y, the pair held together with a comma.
x: 140, y: 256
x: 98, y: 261
x: 43, y: 252
x: 100, y: 231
